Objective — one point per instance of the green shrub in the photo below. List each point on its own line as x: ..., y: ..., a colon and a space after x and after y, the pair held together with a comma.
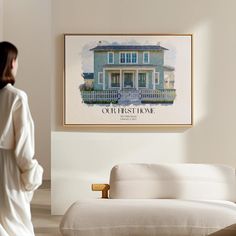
x: 101, y: 102
x: 157, y: 102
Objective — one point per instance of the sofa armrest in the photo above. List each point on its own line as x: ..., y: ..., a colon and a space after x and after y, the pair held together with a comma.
x: 101, y: 187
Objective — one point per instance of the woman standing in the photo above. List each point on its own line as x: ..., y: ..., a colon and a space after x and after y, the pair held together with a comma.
x: 20, y: 174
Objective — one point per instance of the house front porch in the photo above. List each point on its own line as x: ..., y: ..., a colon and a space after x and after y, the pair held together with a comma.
x: 129, y: 78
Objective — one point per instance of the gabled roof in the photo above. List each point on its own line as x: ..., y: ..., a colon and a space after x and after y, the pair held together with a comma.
x: 128, y: 48
x: 88, y: 75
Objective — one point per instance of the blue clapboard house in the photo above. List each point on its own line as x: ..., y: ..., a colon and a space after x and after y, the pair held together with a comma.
x: 129, y: 74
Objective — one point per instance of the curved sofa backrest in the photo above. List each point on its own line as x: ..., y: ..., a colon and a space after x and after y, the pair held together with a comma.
x: 173, y: 181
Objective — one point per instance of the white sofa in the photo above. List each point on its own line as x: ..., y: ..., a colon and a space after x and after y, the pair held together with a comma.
x: 158, y: 200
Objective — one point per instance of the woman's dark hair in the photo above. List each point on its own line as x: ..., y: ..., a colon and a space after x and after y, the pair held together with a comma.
x: 8, y: 53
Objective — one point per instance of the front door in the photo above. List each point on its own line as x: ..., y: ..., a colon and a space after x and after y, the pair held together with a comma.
x: 128, y: 80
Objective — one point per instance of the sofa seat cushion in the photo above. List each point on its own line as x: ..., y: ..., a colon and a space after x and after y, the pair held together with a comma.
x: 147, y: 217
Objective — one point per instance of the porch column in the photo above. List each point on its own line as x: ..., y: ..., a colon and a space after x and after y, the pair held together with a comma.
x: 153, y: 79
x: 120, y: 79
x: 103, y: 79
x: 136, y: 81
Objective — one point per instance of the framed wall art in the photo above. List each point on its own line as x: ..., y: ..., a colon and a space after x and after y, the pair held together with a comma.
x: 128, y: 80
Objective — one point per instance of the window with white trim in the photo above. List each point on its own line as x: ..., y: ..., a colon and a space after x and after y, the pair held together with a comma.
x: 128, y: 57
x: 157, y: 77
x: 110, y: 57
x: 134, y: 57
x: 145, y: 57
x: 100, y: 77
x: 122, y: 57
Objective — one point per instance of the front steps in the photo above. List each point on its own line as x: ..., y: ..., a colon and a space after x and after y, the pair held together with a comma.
x: 129, y: 97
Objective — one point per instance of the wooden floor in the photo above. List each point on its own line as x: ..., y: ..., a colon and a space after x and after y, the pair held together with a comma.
x: 228, y: 231
x: 44, y: 223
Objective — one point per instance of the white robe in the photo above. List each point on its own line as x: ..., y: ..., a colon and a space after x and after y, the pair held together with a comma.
x: 20, y: 174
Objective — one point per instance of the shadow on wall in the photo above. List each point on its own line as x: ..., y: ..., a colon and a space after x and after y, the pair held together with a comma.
x: 168, y: 181
x: 189, y: 13
x: 144, y: 181
x: 57, y: 88
x: 213, y: 137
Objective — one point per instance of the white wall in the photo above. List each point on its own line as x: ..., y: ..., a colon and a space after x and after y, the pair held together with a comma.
x: 1, y: 20
x: 82, y: 156
x: 28, y: 25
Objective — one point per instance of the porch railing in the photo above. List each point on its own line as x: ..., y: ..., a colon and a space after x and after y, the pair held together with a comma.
x: 100, y: 96
x: 144, y: 96
x: 160, y: 95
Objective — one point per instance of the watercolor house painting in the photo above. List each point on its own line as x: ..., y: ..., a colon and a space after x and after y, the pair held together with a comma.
x: 129, y: 74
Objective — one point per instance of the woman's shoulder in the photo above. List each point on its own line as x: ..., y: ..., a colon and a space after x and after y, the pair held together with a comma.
x: 16, y: 92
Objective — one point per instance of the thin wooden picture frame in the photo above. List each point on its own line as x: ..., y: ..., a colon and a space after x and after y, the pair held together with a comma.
x: 128, y: 80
